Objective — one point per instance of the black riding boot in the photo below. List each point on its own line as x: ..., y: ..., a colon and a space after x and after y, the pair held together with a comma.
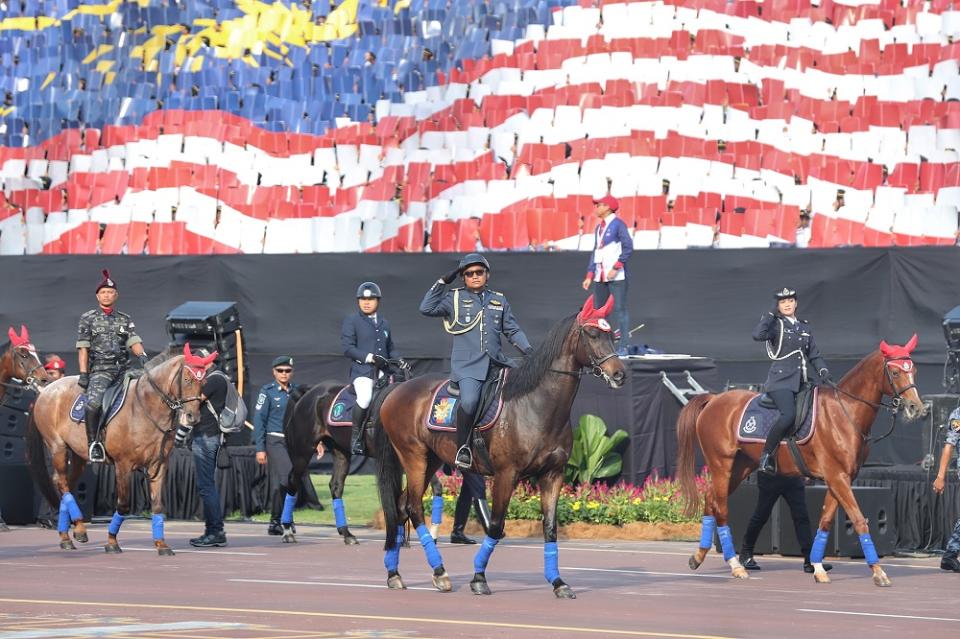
x: 482, y: 509
x: 464, y: 459
x: 96, y: 453
x: 460, y: 515
x: 357, y: 445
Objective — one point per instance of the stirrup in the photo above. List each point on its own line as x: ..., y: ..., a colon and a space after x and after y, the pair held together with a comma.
x: 464, y: 459
x: 96, y: 453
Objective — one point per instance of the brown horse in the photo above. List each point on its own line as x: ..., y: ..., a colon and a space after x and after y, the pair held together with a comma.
x: 20, y: 361
x: 531, y: 439
x: 139, y: 436
x: 835, y: 452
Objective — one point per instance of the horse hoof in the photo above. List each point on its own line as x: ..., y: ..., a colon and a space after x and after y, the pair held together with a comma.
x: 480, y: 587
x: 165, y: 551
x: 881, y: 580
x: 396, y: 583
x: 740, y: 573
x: 289, y: 538
x: 81, y: 537
x: 821, y: 578
x: 442, y: 582
x: 693, y: 563
x: 67, y: 545
x: 112, y: 549
x: 564, y: 592
x: 350, y: 540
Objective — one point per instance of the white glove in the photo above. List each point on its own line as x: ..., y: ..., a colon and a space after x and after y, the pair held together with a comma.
x: 369, y: 359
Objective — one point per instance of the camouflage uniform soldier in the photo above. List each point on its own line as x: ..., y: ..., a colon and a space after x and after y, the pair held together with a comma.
x: 949, y: 560
x: 103, y: 338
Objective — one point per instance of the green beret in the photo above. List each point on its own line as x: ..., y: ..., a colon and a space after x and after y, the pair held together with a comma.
x: 283, y: 360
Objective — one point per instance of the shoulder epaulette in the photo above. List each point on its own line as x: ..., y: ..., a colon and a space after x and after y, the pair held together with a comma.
x: 496, y: 293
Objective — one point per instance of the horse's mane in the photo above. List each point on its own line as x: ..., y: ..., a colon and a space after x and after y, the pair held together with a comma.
x: 166, y: 354
x: 527, y: 377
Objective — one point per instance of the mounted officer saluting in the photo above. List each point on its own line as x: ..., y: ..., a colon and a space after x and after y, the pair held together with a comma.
x: 103, y: 337
x: 476, y: 317
x: 794, y: 352
x: 368, y: 342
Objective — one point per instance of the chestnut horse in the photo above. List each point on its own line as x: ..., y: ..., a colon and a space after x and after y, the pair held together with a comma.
x: 20, y: 361
x: 835, y: 452
x: 304, y: 426
x: 531, y: 438
x: 139, y: 436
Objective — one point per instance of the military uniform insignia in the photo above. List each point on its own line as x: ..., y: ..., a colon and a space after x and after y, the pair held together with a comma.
x: 955, y: 424
x: 496, y: 303
x: 261, y: 399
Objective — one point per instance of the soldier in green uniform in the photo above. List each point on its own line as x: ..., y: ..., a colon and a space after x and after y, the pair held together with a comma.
x: 103, y: 338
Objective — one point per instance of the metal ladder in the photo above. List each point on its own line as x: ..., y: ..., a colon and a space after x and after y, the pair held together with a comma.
x: 683, y: 395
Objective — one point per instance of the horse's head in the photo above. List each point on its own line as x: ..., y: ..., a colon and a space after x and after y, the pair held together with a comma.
x: 24, y: 362
x: 595, y: 345
x: 900, y: 377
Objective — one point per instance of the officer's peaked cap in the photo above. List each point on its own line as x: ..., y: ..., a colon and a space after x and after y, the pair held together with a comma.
x: 473, y: 258
x: 368, y: 289
x: 786, y: 293
x: 283, y: 360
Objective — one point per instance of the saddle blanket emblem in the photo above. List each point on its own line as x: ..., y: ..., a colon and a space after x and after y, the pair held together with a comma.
x: 443, y: 411
x: 78, y: 410
x: 341, y: 408
x: 756, y: 421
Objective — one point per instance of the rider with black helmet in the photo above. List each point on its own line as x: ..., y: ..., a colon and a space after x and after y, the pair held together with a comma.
x: 795, y: 356
x: 368, y: 342
x: 476, y: 317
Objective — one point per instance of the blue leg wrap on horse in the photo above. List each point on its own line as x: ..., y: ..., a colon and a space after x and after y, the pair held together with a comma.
x: 286, y: 517
x: 63, y: 523
x: 726, y: 542
x: 436, y: 510
x: 483, y: 554
x: 391, y: 558
x: 869, y: 550
x: 339, y: 514
x: 156, y: 525
x: 115, y: 523
x: 429, y: 547
x: 551, y: 561
x: 707, y: 528
x: 819, y: 548
x: 72, y: 507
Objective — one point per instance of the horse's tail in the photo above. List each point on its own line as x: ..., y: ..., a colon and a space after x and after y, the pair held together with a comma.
x: 37, y: 458
x: 389, y: 481
x: 687, y: 453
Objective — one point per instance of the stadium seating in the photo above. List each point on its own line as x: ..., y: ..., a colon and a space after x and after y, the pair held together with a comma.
x: 401, y: 126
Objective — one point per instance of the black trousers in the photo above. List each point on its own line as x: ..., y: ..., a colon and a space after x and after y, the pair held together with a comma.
x: 771, y: 489
x: 786, y: 402
x: 278, y: 466
x: 474, y: 487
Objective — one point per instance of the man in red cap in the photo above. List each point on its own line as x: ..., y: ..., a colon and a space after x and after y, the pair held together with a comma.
x: 608, y: 266
x: 103, y: 338
x: 55, y: 367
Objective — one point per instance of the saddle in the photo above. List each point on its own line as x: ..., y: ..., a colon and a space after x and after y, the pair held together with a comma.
x: 443, y: 406
x: 760, y: 414
x: 340, y: 413
x: 804, y: 403
x: 113, y: 399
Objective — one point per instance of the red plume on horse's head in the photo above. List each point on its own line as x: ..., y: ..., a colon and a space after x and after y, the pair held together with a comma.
x: 196, y: 361
x: 892, y: 351
x: 19, y: 340
x: 590, y: 316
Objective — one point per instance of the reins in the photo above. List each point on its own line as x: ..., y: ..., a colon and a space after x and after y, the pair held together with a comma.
x: 894, y: 406
x: 595, y: 364
x: 175, y: 405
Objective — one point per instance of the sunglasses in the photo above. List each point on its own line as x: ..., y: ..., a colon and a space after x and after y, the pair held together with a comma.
x: 477, y: 273
x: 284, y: 371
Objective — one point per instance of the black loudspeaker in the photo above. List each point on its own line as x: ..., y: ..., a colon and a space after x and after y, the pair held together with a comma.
x: 216, y: 327
x: 940, y: 407
x: 13, y: 422
x: 85, y: 492
x: 13, y: 450
x: 18, y: 398
x: 876, y: 504
x: 17, y: 503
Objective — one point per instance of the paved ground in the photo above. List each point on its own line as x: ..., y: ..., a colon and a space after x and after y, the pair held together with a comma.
x: 258, y: 587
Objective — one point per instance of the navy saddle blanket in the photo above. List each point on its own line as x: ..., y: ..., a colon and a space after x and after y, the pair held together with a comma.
x: 443, y: 408
x: 756, y: 421
x: 113, y: 397
x: 341, y: 408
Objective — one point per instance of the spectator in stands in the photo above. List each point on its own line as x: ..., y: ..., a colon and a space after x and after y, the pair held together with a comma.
x: 793, y: 491
x: 608, y: 267
x: 206, y: 444
x: 369, y: 58
x: 473, y: 492
x: 268, y: 435
x: 949, y: 561
x: 55, y: 367
x: 803, y: 229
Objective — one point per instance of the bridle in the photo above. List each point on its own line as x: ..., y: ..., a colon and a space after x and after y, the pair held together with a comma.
x: 896, y: 400
x: 24, y: 353
x: 175, y: 404
x: 595, y: 364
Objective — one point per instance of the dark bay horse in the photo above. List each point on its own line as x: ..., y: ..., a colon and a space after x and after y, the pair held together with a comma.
x: 20, y: 361
x: 835, y: 452
x: 139, y: 436
x: 304, y: 426
x: 531, y: 439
